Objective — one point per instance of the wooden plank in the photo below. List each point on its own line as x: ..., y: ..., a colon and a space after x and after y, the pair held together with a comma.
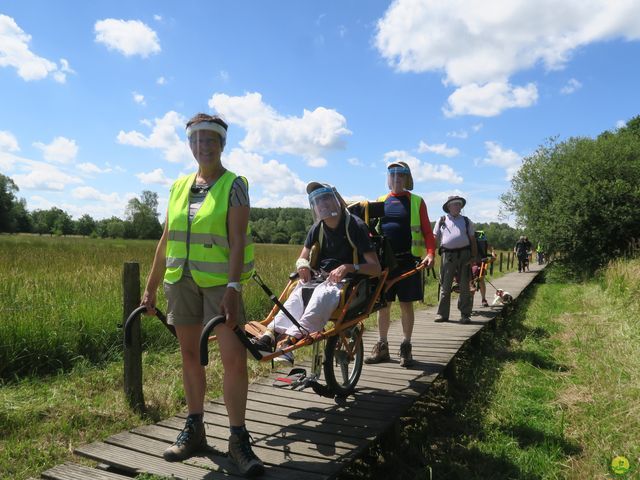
x: 136, y: 462
x: 73, y: 471
x: 343, y: 431
x: 169, y: 430
x: 311, y: 413
x: 284, y: 464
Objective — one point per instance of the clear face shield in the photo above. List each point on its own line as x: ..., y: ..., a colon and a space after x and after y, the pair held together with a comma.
x: 324, y: 204
x: 397, y: 178
x: 206, y: 141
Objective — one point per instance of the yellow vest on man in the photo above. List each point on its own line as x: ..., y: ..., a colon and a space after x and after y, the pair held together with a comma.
x: 417, y: 240
x: 207, y: 250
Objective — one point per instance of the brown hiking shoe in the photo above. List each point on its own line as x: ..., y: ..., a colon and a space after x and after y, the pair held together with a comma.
x: 191, y: 439
x: 406, y: 359
x: 242, y: 455
x: 379, y: 353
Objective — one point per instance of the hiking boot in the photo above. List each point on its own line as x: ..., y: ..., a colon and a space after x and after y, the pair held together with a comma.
x: 379, y: 353
x: 242, y: 455
x: 465, y: 319
x: 406, y: 359
x: 440, y: 318
x: 191, y: 439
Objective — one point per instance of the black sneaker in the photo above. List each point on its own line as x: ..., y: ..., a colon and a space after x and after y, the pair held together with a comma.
x: 191, y: 439
x: 406, y: 359
x: 264, y: 343
x: 242, y: 455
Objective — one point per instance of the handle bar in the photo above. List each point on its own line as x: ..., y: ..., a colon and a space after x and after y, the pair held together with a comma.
x: 135, y: 315
x: 210, y: 326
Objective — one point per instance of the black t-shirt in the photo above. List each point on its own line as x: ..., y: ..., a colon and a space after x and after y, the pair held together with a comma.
x: 336, y: 249
x: 521, y: 248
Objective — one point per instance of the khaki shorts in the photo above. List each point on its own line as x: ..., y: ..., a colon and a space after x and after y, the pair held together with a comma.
x: 189, y: 304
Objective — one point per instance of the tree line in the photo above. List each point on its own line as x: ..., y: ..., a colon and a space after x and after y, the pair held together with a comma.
x: 580, y: 197
x: 141, y: 220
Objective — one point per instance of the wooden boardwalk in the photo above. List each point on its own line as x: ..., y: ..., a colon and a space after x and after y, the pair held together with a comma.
x: 299, y: 434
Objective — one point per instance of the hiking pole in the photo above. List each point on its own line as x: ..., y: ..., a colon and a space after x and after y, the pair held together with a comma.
x: 278, y: 303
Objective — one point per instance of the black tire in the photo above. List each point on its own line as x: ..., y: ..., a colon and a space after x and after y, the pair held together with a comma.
x: 340, y: 373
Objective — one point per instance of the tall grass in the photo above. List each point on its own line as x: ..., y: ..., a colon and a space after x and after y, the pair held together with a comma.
x: 61, y: 299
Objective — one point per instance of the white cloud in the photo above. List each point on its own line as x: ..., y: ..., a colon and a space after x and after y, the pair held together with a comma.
x: 438, y: 149
x: 138, y: 98
x: 621, y: 123
x: 355, y: 162
x: 275, y: 179
x: 458, y: 134
x: 161, y: 81
x: 342, y: 31
x: 157, y: 18
x: 15, y: 52
x: 90, y: 168
x: 309, y: 136
x: 477, y: 127
x: 224, y: 75
x: 571, y: 86
x: 156, y: 177
x: 490, y: 99
x: 503, y: 158
x: 60, y: 150
x: 129, y: 37
x: 43, y: 176
x: 480, y: 42
x: 163, y: 137
x: 423, y: 171
x: 8, y: 142
x: 90, y: 193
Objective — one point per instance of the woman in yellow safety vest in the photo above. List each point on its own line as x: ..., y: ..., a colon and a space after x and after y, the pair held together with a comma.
x: 203, y: 257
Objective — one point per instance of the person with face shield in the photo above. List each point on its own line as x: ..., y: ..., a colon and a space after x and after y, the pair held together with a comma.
x: 407, y: 227
x: 204, y: 256
x: 344, y: 249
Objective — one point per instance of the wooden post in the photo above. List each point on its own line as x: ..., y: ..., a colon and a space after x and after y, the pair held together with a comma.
x: 133, y: 353
x: 501, y: 262
x: 491, y: 268
x: 508, y: 261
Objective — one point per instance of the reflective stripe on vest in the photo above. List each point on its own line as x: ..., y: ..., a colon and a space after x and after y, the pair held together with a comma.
x: 417, y: 239
x: 207, y: 251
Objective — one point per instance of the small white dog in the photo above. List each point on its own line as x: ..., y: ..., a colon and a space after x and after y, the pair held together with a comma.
x: 502, y: 297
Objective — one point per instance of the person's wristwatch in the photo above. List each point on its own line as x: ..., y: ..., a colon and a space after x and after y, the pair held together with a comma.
x: 356, y: 267
x: 237, y: 286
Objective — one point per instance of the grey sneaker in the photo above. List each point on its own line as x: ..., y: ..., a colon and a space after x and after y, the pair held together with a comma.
x: 440, y: 318
x: 406, y: 359
x: 465, y: 319
x: 191, y: 439
x: 379, y: 353
x: 242, y: 455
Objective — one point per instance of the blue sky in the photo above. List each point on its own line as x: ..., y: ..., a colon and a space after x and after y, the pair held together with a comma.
x: 94, y: 95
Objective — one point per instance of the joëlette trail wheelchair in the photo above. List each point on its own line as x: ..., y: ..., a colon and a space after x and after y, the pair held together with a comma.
x: 342, y: 357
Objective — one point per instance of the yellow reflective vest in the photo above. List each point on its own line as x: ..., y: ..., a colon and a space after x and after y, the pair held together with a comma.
x: 203, y: 245
x: 417, y: 240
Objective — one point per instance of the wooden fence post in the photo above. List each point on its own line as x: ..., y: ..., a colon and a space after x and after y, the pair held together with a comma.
x: 500, y: 262
x: 508, y: 261
x: 133, y: 353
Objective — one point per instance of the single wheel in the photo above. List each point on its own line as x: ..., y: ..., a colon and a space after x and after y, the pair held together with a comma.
x: 342, y: 370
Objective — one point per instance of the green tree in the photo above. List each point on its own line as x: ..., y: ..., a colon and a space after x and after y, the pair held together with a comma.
x: 8, y: 189
x: 143, y: 214
x: 579, y: 197
x: 85, y: 225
